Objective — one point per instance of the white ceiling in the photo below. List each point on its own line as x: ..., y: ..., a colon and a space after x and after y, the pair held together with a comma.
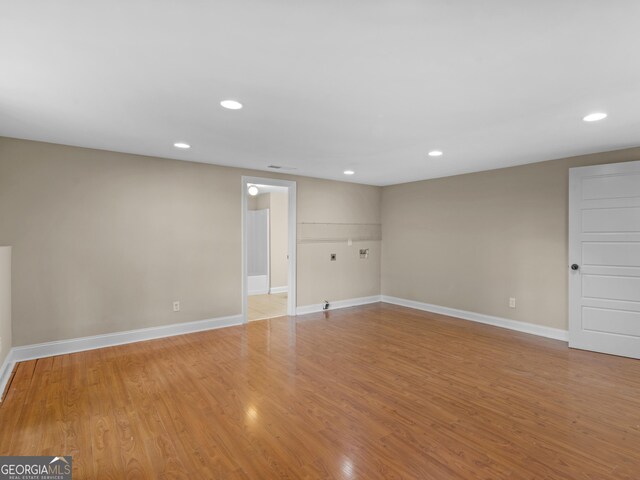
x: 327, y: 85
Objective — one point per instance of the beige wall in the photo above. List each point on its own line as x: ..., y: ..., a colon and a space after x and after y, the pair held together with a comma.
x: 333, y: 279
x: 104, y: 241
x: 337, y: 203
x: 5, y: 303
x: 258, y: 202
x: 252, y: 203
x: 472, y: 241
x: 278, y: 241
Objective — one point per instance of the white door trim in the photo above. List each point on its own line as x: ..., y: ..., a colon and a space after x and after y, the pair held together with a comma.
x: 292, y: 236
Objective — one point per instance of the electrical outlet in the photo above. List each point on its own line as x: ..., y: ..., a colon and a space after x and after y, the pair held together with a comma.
x: 512, y: 302
x: 176, y: 306
x: 333, y: 257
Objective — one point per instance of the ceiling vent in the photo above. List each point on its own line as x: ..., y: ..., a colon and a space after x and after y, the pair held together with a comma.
x: 281, y: 167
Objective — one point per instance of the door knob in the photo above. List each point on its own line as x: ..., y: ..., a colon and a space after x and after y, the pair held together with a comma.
x: 575, y: 266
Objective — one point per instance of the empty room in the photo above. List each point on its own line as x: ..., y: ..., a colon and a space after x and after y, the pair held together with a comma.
x: 320, y: 240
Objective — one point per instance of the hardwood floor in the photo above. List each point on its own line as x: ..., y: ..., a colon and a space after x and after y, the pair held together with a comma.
x: 368, y: 392
x: 266, y: 306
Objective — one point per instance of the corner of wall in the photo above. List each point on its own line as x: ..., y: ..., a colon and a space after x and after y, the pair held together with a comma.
x: 6, y: 362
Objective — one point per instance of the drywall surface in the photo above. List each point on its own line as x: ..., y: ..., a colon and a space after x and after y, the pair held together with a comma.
x: 105, y: 242
x: 5, y: 303
x: 278, y: 240
x: 472, y: 241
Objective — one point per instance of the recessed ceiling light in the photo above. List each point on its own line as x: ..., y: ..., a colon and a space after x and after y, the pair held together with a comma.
x: 435, y: 153
x: 349, y: 172
x: 231, y: 104
x: 253, y: 190
x: 594, y: 117
x: 181, y: 145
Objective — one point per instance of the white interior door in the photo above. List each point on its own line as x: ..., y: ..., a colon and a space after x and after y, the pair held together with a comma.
x: 604, y: 258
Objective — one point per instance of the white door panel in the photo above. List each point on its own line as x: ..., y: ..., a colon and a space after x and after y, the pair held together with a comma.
x: 621, y: 322
x: 604, y: 246
x: 611, y: 288
x: 611, y: 220
x: 611, y: 186
x: 615, y: 254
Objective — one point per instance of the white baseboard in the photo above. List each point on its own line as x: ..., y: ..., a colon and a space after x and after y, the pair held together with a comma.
x: 61, y: 347
x: 333, y: 305
x: 5, y: 372
x: 284, y: 289
x: 525, y: 327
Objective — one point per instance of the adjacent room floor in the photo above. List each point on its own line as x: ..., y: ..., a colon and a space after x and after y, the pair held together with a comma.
x: 368, y: 392
x: 267, y: 306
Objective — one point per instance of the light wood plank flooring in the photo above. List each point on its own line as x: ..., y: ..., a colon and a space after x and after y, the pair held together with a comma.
x: 266, y: 306
x: 368, y: 392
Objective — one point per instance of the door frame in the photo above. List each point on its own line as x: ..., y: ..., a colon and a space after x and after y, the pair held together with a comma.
x: 292, y: 237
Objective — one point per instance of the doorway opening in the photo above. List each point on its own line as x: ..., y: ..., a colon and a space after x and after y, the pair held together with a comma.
x: 268, y: 248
